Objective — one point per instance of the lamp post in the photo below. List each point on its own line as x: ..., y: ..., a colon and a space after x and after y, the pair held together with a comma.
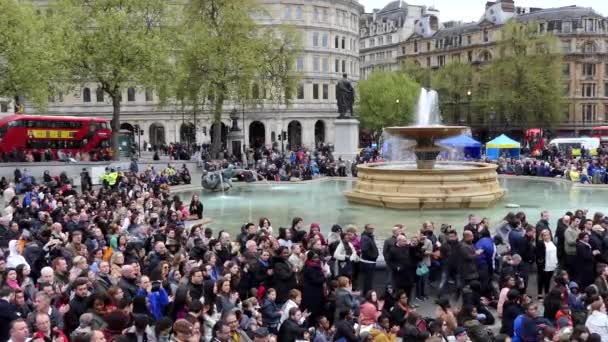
x: 396, y: 107
x: 469, y: 106
x: 492, y: 118
x: 137, y: 129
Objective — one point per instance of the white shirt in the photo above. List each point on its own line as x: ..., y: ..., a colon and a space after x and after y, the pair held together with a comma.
x: 550, y: 256
x: 598, y: 323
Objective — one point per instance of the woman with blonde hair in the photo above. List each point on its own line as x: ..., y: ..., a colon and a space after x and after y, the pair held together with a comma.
x: 116, y: 262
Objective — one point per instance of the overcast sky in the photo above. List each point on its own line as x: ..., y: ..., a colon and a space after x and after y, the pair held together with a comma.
x: 471, y: 10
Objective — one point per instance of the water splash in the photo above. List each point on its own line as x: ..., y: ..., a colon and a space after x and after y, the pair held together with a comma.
x: 427, y: 109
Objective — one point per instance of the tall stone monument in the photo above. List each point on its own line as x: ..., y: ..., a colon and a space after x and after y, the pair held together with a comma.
x: 346, y: 126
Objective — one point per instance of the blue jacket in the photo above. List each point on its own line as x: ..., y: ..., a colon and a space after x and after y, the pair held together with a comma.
x: 487, y: 257
x: 157, y: 300
x: 270, y: 313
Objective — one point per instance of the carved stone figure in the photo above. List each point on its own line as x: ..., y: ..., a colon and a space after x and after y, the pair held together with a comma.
x: 345, y: 94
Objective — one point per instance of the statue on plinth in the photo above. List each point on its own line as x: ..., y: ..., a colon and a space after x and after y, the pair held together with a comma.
x: 345, y: 94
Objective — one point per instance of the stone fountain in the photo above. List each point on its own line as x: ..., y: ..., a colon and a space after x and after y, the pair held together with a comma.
x: 427, y: 184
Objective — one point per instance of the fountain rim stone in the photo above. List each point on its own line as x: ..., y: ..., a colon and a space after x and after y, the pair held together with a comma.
x: 476, y: 167
x: 436, y: 132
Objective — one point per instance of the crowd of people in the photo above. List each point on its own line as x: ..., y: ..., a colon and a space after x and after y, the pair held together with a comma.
x: 584, y: 170
x: 58, y: 154
x: 123, y: 262
x: 292, y: 165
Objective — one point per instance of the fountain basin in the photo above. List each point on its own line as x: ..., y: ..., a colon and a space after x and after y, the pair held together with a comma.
x: 450, y: 185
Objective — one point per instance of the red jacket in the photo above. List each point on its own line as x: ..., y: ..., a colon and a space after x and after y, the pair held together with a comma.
x: 54, y: 334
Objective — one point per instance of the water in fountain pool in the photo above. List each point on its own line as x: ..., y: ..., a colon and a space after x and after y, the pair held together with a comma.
x: 324, y: 202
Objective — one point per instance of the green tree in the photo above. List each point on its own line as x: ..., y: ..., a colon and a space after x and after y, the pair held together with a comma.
x: 224, y: 52
x: 454, y: 83
x: 525, y: 82
x: 114, y: 43
x: 422, y: 76
x: 386, y: 99
x: 25, y: 67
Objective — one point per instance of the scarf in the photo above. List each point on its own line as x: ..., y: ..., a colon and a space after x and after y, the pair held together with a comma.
x: 264, y: 263
x: 313, y: 263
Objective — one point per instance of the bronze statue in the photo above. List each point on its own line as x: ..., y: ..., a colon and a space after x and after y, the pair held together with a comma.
x: 345, y: 94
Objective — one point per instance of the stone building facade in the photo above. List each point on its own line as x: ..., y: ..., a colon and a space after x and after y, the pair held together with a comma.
x: 584, y: 42
x: 330, y: 35
x: 383, y: 31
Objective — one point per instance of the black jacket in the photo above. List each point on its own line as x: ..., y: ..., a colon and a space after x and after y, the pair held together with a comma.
x: 540, y: 226
x: 344, y: 329
x: 369, y: 250
x: 388, y: 244
x: 290, y: 331
x: 196, y: 291
x: 284, y: 279
x: 450, y: 252
x: 8, y: 313
x: 129, y: 287
x: 401, y: 264
x: 559, y: 235
x: 313, y: 298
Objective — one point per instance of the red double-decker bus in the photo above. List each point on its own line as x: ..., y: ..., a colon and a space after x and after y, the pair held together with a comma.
x: 73, y: 134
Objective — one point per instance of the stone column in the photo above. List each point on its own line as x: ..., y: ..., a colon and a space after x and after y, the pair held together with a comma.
x: 245, y: 129
x: 308, y: 133
x: 269, y: 127
x: 145, y: 126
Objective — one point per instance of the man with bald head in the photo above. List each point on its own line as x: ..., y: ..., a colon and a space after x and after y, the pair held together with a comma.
x: 128, y: 281
x: 468, y: 265
x: 401, y: 263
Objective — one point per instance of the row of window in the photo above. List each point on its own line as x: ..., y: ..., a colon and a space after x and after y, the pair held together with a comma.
x: 378, y: 56
x: 321, y: 15
x: 450, y: 42
x: 589, y: 89
x: 99, y: 95
x: 322, y: 40
x: 319, y: 92
x: 569, y: 26
x: 45, y: 124
x: 441, y: 60
x: 590, y: 112
x: 379, y: 40
x: 559, y: 26
x: 321, y: 64
x: 55, y: 144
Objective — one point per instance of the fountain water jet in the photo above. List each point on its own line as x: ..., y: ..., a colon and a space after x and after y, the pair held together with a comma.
x: 446, y: 185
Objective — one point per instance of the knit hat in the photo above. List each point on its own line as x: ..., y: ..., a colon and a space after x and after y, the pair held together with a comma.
x: 459, y: 331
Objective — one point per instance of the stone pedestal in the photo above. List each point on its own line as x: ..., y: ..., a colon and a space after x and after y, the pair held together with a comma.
x: 234, y: 143
x: 346, y: 138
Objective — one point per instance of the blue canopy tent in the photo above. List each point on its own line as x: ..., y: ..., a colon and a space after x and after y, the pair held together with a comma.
x: 502, y: 146
x: 471, y: 148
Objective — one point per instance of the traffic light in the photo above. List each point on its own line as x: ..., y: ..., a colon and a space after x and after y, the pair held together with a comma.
x: 284, y: 134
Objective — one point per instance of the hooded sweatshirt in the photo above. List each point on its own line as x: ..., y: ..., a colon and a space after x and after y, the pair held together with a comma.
x: 15, y: 258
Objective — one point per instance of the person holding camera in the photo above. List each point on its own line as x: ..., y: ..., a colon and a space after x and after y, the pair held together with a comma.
x: 156, y: 294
